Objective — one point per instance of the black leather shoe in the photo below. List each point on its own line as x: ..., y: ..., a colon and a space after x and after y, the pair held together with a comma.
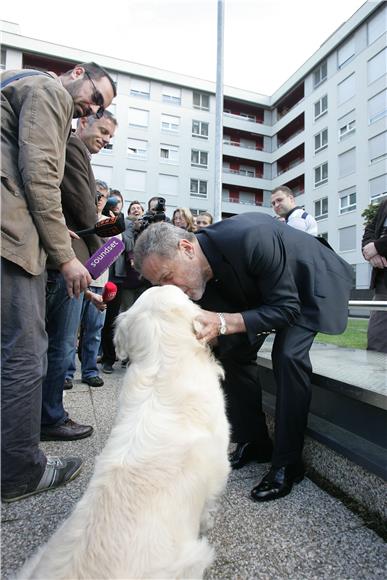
x: 246, y: 452
x: 278, y: 482
x: 69, y: 431
x: 93, y: 381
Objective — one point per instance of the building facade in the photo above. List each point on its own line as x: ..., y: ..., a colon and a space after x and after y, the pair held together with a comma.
x: 323, y: 133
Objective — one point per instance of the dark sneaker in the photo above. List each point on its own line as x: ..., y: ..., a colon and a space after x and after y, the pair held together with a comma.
x: 93, y: 381
x: 68, y: 431
x: 68, y: 384
x: 59, y: 470
x: 107, y: 368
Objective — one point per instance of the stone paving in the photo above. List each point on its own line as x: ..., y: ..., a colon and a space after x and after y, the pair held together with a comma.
x: 308, y: 534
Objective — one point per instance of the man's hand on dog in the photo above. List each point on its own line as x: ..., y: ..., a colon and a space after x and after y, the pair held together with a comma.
x: 210, y: 325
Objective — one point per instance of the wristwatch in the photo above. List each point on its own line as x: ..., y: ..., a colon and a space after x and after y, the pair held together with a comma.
x: 222, y: 325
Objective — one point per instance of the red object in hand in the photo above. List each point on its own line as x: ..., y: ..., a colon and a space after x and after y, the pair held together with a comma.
x: 109, y: 291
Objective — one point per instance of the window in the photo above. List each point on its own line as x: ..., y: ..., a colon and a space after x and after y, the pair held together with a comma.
x: 321, y: 107
x: 323, y: 235
x: 170, y: 123
x: 103, y: 173
x: 321, y: 208
x: 201, y: 101
x: 140, y: 88
x: 199, y: 158
x: 378, y: 187
x: 321, y: 174
x: 200, y: 129
x: 198, y: 188
x: 347, y: 162
x: 347, y: 239
x: 138, y: 117
x: 347, y: 129
x: 171, y: 95
x: 135, y: 180
x: 377, y: 107
x: 377, y: 66
x: 169, y: 153
x: 320, y: 74
x: 108, y: 149
x: 321, y: 140
x: 377, y: 25
x: 345, y: 52
x: 346, y: 89
x: 377, y: 147
x: 168, y: 184
x: 347, y: 199
x: 137, y: 149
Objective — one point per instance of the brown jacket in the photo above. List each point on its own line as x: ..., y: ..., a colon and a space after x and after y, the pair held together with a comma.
x: 36, y: 114
x: 79, y: 198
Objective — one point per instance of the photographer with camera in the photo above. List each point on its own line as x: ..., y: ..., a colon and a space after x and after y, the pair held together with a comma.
x: 124, y: 276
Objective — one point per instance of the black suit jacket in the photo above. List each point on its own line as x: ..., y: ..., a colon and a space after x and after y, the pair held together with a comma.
x: 374, y: 233
x: 275, y: 276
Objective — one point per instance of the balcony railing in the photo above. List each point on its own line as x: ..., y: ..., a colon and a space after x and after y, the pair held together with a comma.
x: 280, y: 143
x: 290, y: 165
x: 242, y: 146
x: 243, y: 172
x: 243, y: 117
x: 233, y: 200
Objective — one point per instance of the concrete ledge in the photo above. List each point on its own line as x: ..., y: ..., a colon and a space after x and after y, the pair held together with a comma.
x: 346, y: 444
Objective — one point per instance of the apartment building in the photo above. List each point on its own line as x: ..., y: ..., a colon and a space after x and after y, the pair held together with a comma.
x: 323, y: 132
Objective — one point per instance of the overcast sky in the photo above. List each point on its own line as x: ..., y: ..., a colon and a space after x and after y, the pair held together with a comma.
x: 265, y: 41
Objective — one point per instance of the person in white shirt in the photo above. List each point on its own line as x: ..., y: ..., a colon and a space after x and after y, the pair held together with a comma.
x: 284, y: 205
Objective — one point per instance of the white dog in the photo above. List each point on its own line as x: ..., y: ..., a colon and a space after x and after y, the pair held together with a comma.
x: 149, y: 502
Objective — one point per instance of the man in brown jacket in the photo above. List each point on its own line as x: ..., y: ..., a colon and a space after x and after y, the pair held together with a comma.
x: 36, y: 111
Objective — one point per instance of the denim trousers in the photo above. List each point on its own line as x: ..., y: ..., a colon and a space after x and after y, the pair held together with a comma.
x: 23, y: 358
x: 92, y: 321
x: 62, y: 320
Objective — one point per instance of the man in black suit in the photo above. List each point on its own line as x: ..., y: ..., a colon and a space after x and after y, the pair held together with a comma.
x: 374, y: 248
x: 253, y: 275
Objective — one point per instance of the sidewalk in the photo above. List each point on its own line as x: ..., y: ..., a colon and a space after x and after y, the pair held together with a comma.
x: 306, y: 535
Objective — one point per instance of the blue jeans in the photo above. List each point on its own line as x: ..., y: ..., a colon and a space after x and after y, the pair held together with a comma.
x: 23, y: 357
x: 92, y: 321
x: 62, y: 320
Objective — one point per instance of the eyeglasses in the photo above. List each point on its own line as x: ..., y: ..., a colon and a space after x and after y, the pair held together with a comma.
x: 97, y: 98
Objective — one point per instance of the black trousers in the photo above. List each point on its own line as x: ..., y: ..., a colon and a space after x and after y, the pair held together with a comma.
x: 107, y: 333
x: 292, y: 371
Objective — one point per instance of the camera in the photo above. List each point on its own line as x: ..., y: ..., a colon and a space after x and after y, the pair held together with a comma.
x: 156, y: 214
x: 110, y: 205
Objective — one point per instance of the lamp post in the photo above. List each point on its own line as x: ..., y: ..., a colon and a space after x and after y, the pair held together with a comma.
x: 219, y: 114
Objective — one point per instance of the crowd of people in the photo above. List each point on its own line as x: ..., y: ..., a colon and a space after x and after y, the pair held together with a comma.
x: 252, y: 274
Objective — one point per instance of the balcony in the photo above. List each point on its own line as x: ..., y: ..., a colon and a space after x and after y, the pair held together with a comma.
x: 295, y: 127
x: 290, y: 101
x: 291, y: 159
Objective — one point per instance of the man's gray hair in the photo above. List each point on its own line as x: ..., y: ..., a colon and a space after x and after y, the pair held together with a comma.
x: 162, y: 239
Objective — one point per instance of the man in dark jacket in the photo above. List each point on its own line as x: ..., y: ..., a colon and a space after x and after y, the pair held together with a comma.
x: 255, y: 276
x: 63, y: 314
x: 374, y: 245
